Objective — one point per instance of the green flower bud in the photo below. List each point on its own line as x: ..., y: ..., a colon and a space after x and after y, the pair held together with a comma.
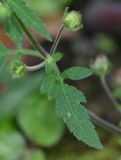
x: 72, y: 20
x: 17, y: 69
x: 101, y: 65
x: 4, y: 11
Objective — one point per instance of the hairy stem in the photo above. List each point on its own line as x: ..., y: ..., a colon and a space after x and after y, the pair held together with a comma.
x: 108, y: 92
x: 57, y: 39
x: 35, y: 43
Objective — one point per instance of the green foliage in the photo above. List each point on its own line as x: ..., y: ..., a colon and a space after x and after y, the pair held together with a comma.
x: 17, y: 91
x: 47, y: 7
x: 57, y: 56
x: 11, y: 145
x: 68, y: 105
x: 48, y: 83
x: 76, y: 73
x: 75, y: 115
x: 49, y: 65
x: 13, y: 30
x: 35, y: 155
x: 4, y: 52
x: 38, y: 119
x: 6, y: 125
x: 50, y: 60
x: 28, y: 17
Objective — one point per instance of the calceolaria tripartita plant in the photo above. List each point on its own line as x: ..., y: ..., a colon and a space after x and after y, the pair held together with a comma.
x: 16, y: 17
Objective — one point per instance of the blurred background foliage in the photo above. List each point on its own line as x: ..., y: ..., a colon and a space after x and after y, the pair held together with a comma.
x: 48, y: 7
x: 29, y: 127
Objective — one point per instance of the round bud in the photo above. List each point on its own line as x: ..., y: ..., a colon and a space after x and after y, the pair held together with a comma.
x: 4, y: 11
x: 72, y: 20
x: 101, y: 65
x: 17, y: 69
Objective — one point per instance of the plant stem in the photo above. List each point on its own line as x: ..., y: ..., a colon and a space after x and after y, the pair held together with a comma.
x: 36, y: 67
x: 108, y: 92
x: 57, y: 39
x: 104, y: 124
x: 42, y: 51
x: 54, y: 46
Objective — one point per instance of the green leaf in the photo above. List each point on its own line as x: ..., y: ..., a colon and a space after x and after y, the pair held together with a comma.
x: 35, y: 155
x: 7, y: 52
x: 12, y: 145
x: 6, y: 125
x: 37, y: 118
x: 28, y: 17
x: 48, y: 83
x: 13, y: 30
x: 55, y: 91
x: 76, y: 117
x: 76, y: 73
x: 57, y: 56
